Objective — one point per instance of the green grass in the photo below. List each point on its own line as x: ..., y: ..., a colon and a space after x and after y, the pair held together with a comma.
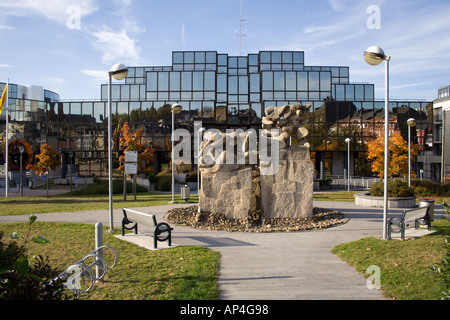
x: 334, y: 196
x: 68, y: 202
x: 405, y: 265
x: 179, y: 273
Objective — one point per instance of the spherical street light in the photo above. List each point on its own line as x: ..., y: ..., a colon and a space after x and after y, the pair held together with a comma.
x: 411, y: 122
x: 119, y: 71
x: 176, y: 108
x: 374, y: 55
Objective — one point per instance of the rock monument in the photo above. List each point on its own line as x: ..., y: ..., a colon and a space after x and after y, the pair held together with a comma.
x: 241, y: 182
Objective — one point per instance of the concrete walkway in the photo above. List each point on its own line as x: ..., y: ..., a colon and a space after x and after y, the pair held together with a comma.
x: 269, y: 266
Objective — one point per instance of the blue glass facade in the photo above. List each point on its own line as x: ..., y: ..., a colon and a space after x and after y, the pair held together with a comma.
x: 226, y: 91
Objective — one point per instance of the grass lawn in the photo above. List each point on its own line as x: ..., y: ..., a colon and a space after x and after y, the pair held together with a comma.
x: 405, y: 266
x: 180, y: 273
x: 69, y: 202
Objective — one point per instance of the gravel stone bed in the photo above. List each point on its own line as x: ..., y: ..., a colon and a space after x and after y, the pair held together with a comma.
x: 190, y: 217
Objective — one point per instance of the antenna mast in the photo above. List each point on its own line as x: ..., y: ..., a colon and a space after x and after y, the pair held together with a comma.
x: 241, y: 32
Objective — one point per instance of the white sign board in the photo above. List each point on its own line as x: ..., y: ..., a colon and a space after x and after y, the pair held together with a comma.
x: 130, y: 168
x: 131, y: 156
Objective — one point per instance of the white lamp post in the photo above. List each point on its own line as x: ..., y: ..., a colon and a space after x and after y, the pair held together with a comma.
x: 411, y: 123
x: 199, y: 134
x: 348, y: 140
x: 374, y: 56
x: 176, y: 108
x: 118, y: 72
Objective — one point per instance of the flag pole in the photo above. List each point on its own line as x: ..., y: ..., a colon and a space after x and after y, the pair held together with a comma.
x: 7, y: 142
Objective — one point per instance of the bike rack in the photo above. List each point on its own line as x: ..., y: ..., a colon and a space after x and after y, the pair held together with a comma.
x: 81, y: 268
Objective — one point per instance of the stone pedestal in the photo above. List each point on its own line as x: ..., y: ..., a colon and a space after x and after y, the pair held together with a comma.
x: 227, y: 192
x: 289, y: 192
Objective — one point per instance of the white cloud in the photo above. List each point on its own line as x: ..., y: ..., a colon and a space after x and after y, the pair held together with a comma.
x: 116, y: 46
x: 98, y: 75
x: 337, y: 5
x: 55, y: 10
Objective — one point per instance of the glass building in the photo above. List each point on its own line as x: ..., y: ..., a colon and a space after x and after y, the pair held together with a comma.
x: 224, y: 92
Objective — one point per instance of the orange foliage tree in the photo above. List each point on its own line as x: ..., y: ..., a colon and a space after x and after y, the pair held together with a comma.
x: 48, y: 159
x: 398, y: 155
x: 133, y: 142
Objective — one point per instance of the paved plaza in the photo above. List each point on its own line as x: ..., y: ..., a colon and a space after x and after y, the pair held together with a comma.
x: 268, y: 266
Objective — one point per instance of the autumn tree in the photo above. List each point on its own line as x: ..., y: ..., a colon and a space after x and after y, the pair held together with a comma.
x: 48, y: 159
x: 133, y: 142
x: 398, y: 155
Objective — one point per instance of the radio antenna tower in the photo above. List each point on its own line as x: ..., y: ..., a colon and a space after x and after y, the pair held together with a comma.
x: 241, y: 34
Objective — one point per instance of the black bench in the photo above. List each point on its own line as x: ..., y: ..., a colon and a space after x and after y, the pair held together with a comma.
x: 410, y: 218
x: 161, y: 231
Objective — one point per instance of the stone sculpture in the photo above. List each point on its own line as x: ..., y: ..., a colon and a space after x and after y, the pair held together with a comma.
x: 236, y: 188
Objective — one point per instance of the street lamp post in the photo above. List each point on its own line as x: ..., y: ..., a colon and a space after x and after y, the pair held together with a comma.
x: 176, y: 108
x: 411, y: 123
x: 374, y: 56
x: 348, y: 140
x: 118, y: 72
x: 199, y: 134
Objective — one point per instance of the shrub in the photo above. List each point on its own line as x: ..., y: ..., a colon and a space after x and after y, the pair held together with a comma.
x: 427, y: 188
x: 22, y: 278
x: 396, y: 188
x: 163, y: 181
x: 191, y: 176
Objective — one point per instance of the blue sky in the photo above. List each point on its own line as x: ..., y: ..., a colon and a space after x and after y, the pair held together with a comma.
x: 69, y: 45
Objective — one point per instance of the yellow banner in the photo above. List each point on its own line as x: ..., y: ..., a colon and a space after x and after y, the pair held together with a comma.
x: 3, y: 99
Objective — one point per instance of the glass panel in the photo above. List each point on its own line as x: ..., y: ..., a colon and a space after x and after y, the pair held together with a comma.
x: 99, y: 112
x: 278, y: 81
x: 287, y: 57
x: 254, y: 82
x: 242, y: 62
x: 276, y: 57
x: 368, y: 92
x: 175, y: 81
x: 115, y: 92
x: 139, y: 72
x: 255, y: 113
x: 253, y: 59
x: 221, y: 83
x: 125, y: 94
x: 222, y: 59
x: 313, y: 79
x: 198, y: 81
x: 177, y: 57
x: 188, y: 57
x: 163, y: 81
x: 200, y: 57
x: 359, y: 92
x: 291, y: 81
x: 349, y: 92
x: 211, y: 57
x: 152, y: 81
x: 186, y: 81
x: 232, y: 85
x: 244, y: 113
x: 298, y: 57
x: 210, y: 84
x: 302, y: 81
x: 267, y: 81
x: 134, y: 93
x: 232, y: 62
x: 221, y: 113
x: 325, y: 81
x: 243, y: 85
x: 264, y: 57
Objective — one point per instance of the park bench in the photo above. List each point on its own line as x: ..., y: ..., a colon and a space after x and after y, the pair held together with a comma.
x: 410, y: 218
x: 161, y: 231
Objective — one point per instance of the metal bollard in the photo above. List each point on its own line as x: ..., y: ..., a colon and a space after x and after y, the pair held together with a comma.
x: 98, y: 245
